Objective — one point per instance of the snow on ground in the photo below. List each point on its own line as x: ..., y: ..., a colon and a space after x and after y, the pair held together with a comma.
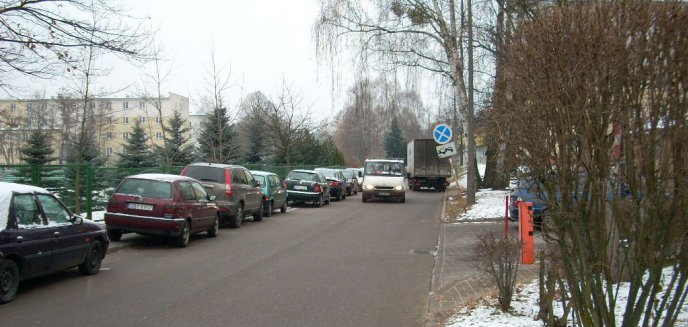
x: 491, y: 204
x: 525, y: 309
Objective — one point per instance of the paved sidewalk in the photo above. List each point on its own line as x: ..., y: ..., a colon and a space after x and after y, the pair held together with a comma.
x: 455, y: 280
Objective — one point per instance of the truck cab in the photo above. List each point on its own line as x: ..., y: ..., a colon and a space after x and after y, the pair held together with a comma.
x: 384, y: 179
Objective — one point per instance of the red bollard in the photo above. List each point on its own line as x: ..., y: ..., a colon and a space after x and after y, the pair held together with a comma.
x: 526, y: 230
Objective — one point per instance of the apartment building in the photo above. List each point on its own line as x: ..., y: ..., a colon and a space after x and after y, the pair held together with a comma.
x: 108, y: 120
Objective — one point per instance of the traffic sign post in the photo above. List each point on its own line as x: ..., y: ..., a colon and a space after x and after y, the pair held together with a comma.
x: 442, y: 134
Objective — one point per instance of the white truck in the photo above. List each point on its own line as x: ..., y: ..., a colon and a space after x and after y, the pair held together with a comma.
x: 384, y: 179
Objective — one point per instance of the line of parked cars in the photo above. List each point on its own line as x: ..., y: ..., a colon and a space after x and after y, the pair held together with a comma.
x: 39, y: 235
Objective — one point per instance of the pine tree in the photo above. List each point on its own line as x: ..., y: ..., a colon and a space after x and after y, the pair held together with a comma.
x: 395, y: 143
x: 136, y: 151
x: 332, y: 156
x: 177, y: 147
x: 38, y: 150
x: 218, y: 138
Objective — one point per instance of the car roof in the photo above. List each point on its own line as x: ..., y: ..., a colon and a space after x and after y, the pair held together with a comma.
x: 161, y: 177
x: 261, y: 173
x: 215, y: 165
x: 304, y: 171
x: 384, y: 160
x: 6, y: 191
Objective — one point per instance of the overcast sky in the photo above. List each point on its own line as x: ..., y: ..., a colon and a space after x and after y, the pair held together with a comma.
x: 262, y: 41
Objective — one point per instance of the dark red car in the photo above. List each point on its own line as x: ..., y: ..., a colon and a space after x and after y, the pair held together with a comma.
x: 161, y: 204
x: 39, y: 236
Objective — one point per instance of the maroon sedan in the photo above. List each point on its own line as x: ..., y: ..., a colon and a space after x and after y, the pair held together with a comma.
x: 161, y: 204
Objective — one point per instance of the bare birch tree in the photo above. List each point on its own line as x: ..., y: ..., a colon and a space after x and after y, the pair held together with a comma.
x: 423, y: 36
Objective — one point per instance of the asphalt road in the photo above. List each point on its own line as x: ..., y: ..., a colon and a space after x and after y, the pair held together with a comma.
x: 346, y: 264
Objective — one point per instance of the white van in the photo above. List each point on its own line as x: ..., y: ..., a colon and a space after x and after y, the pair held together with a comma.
x: 384, y: 179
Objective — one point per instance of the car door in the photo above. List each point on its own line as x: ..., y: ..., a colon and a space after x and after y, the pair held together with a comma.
x: 70, y: 242
x: 28, y: 236
x: 278, y: 191
x: 252, y: 193
x: 324, y: 184
x: 203, y: 209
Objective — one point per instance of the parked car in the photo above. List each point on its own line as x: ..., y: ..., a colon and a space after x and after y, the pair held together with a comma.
x: 307, y: 186
x: 235, y: 189
x: 352, y: 182
x: 275, y: 196
x: 527, y: 191
x: 39, y: 236
x: 358, y: 172
x: 336, y: 180
x: 161, y: 204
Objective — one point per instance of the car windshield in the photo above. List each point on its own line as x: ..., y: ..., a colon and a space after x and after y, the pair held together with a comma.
x: 384, y: 168
x: 146, y: 188
x: 329, y: 173
x: 260, y: 179
x: 302, y: 176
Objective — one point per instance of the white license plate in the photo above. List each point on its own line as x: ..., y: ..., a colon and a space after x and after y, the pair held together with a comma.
x: 140, y: 206
x: 384, y: 194
x: 300, y: 187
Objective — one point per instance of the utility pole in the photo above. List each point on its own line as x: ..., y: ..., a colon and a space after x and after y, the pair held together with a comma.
x: 471, y: 171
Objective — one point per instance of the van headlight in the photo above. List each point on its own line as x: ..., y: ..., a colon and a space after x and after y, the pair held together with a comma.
x: 399, y: 188
x: 368, y: 186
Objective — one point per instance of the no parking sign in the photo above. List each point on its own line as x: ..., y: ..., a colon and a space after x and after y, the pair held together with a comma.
x: 442, y: 134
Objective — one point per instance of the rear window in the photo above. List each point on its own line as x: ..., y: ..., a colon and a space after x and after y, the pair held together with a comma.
x: 146, y: 188
x: 206, y: 174
x: 302, y: 176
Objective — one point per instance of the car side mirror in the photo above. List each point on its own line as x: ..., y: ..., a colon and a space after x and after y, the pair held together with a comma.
x: 212, y: 198
x: 77, y: 220
x: 360, y: 174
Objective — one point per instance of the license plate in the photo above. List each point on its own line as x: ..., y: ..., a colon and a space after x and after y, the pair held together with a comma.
x: 140, y: 206
x: 300, y: 187
x: 384, y: 194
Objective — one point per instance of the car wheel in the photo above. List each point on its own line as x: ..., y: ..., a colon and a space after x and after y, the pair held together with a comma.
x: 238, y: 218
x: 343, y: 194
x: 283, y: 209
x: 364, y: 198
x: 212, y: 232
x: 258, y: 215
x: 268, y: 210
x: 403, y: 199
x: 94, y: 258
x: 114, y: 234
x: 329, y: 199
x: 320, y: 202
x: 183, y: 238
x: 9, y: 280
x: 339, y: 196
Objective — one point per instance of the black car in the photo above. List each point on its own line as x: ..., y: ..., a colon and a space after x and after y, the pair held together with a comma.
x: 307, y: 186
x: 337, y: 181
x: 39, y: 236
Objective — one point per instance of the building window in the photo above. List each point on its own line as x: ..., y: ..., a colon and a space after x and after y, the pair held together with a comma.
x: 29, y: 105
x: 124, y: 151
x: 108, y: 151
x: 13, y: 106
x: 158, y: 135
x: 142, y: 105
x: 125, y: 120
x: 142, y: 120
x: 125, y: 135
x: 125, y: 105
x: 157, y: 119
x: 108, y: 105
x: 108, y: 135
x: 108, y: 120
x: 92, y: 105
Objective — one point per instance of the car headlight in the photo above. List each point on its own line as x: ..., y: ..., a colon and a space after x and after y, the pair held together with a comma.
x: 368, y: 186
x: 399, y: 188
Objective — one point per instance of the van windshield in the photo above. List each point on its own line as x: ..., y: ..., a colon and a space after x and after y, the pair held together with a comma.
x: 384, y: 168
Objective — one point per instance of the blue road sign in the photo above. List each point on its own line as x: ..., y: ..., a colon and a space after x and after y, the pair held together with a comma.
x: 442, y: 134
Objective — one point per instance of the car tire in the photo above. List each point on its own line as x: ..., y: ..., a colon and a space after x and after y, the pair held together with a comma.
x: 114, y: 234
x: 238, y: 218
x: 269, y: 209
x: 364, y: 198
x: 93, y: 259
x: 339, y: 196
x: 343, y: 194
x: 258, y: 215
x: 329, y: 199
x: 402, y: 199
x: 184, y: 236
x: 283, y: 209
x: 320, y: 202
x: 212, y: 232
x: 9, y: 280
